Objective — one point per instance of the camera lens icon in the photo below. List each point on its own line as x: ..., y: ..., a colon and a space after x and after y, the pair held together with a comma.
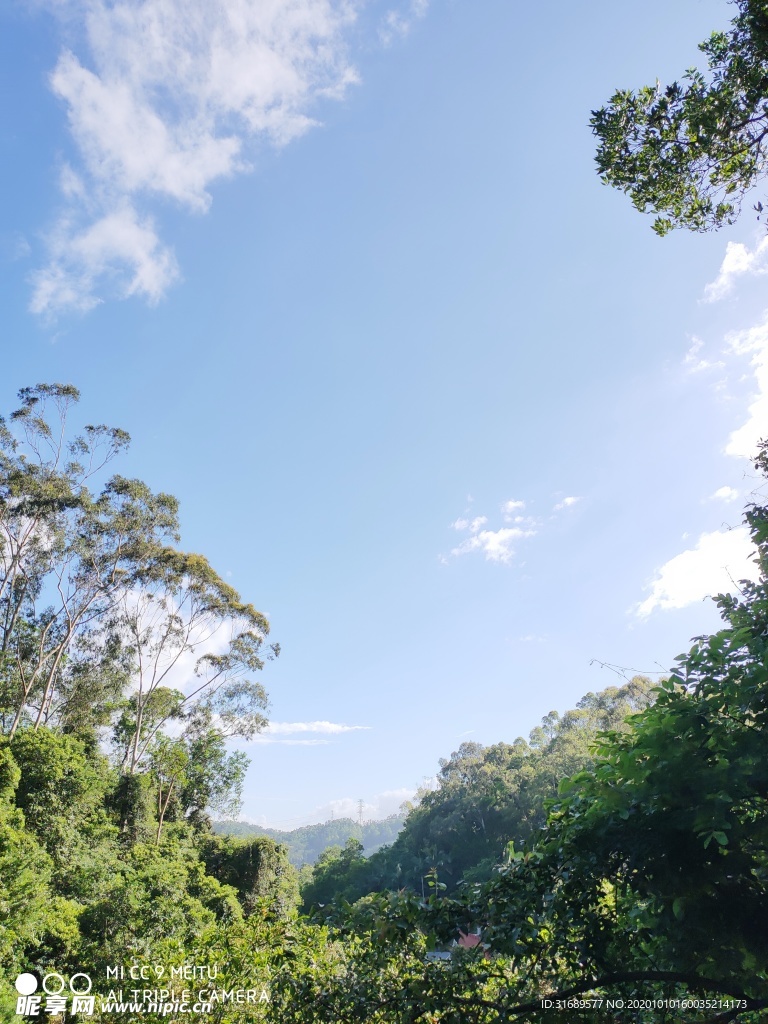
x: 26, y: 984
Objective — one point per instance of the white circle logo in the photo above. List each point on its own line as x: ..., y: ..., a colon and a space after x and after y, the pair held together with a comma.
x: 53, y: 991
x: 26, y: 984
x: 80, y: 991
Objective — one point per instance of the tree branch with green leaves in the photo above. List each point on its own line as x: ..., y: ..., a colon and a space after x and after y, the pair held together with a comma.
x: 690, y: 151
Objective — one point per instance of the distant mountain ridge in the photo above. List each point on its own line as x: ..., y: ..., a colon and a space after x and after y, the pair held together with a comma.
x: 305, y: 844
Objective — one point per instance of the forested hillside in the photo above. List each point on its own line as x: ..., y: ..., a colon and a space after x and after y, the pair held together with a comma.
x: 486, y: 797
x: 306, y: 844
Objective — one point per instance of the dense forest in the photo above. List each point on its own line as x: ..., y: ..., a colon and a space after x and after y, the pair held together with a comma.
x: 612, y: 867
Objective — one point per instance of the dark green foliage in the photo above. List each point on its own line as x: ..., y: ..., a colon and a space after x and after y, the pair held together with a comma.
x: 10, y: 773
x: 690, y: 151
x: 258, y: 869
x: 37, y: 924
x: 61, y: 792
x: 25, y: 872
x: 147, y: 897
x: 132, y: 804
x: 339, y: 875
x: 213, y: 779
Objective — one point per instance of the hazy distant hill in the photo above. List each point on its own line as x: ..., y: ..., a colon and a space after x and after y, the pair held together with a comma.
x: 305, y: 844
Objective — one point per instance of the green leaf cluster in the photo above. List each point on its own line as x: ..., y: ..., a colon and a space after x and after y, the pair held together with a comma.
x: 691, y: 150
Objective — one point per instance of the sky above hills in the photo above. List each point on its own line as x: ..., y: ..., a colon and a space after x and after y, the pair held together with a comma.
x: 431, y: 397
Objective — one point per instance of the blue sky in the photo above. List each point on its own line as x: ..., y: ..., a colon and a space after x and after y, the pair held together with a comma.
x: 435, y: 400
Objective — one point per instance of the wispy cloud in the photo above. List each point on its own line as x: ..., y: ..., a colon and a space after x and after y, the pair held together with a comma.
x: 14, y: 246
x: 495, y: 545
x: 279, y: 728
x: 259, y: 738
x: 117, y: 243
x: 737, y: 262
x: 753, y: 342
x: 722, y: 557
x: 473, y: 525
x: 163, y: 99
x: 715, y: 565
x: 511, y: 509
x: 294, y: 734
x: 568, y: 502
x: 725, y: 493
x: 399, y: 22
x: 381, y: 805
x: 499, y: 545
x: 693, y: 362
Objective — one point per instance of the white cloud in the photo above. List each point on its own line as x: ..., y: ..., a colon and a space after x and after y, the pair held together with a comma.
x: 509, y: 508
x: 694, y: 363
x: 116, y: 244
x: 261, y: 737
x: 473, y: 525
x: 743, y: 441
x: 400, y: 22
x: 725, y: 494
x: 717, y: 563
x: 722, y: 558
x: 321, y: 727
x: 496, y: 545
x: 379, y: 806
x: 738, y: 261
x: 566, y: 503
x: 163, y: 99
x: 286, y: 733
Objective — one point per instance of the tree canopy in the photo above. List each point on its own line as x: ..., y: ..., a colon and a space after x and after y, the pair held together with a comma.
x: 691, y: 150
x: 99, y: 610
